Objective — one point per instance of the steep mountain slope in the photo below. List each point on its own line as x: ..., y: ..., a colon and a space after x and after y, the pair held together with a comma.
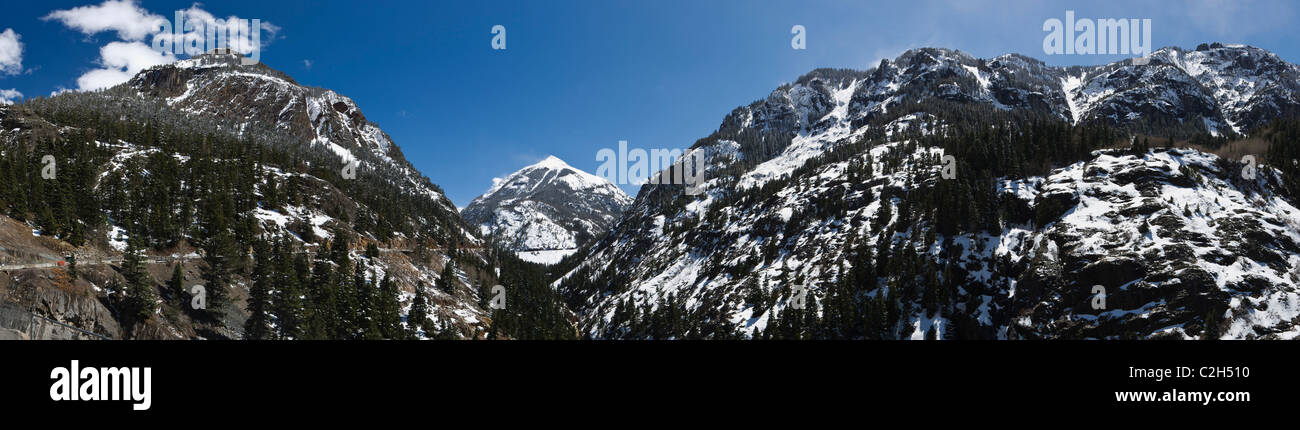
x: 825, y: 213
x: 200, y: 163
x: 547, y: 210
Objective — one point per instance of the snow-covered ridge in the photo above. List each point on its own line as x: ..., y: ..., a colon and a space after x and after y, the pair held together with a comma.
x: 1234, y: 85
x: 1217, y: 89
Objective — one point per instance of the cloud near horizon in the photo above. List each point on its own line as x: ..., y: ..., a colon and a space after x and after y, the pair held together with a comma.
x: 9, y: 96
x: 141, y: 37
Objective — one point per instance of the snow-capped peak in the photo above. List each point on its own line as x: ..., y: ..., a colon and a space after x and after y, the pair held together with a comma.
x: 547, y: 206
x: 551, y: 162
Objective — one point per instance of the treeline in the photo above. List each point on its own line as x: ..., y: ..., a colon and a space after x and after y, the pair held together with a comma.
x: 888, y: 282
x: 667, y: 317
x: 874, y: 293
x: 293, y: 294
x: 189, y: 158
x: 526, y: 307
x: 878, y: 292
x: 329, y: 296
x: 165, y: 178
x: 1283, y: 137
x: 63, y: 206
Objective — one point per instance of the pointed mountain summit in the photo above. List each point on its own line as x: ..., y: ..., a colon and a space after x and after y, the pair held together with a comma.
x: 547, y: 210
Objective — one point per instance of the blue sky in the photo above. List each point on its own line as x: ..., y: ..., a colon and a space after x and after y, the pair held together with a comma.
x: 578, y: 76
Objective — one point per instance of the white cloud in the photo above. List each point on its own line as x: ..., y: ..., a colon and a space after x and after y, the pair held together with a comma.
x: 9, y: 96
x: 128, y: 19
x: 230, y: 26
x: 11, y: 53
x: 121, y: 61
x: 146, y: 38
x: 307, y: 63
x: 134, y: 57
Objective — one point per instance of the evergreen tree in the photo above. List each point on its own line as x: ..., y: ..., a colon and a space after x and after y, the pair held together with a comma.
x: 220, y: 254
x: 140, y: 294
x: 72, y: 267
x: 446, y: 332
x: 257, y: 326
x: 389, y: 310
x: 419, y: 316
x: 323, y: 318
x: 447, y: 280
x: 288, y: 299
x: 364, y: 313
x: 176, y: 286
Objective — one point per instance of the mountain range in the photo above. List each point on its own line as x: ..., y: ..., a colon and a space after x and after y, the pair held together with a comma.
x: 826, y: 214
x: 936, y: 195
